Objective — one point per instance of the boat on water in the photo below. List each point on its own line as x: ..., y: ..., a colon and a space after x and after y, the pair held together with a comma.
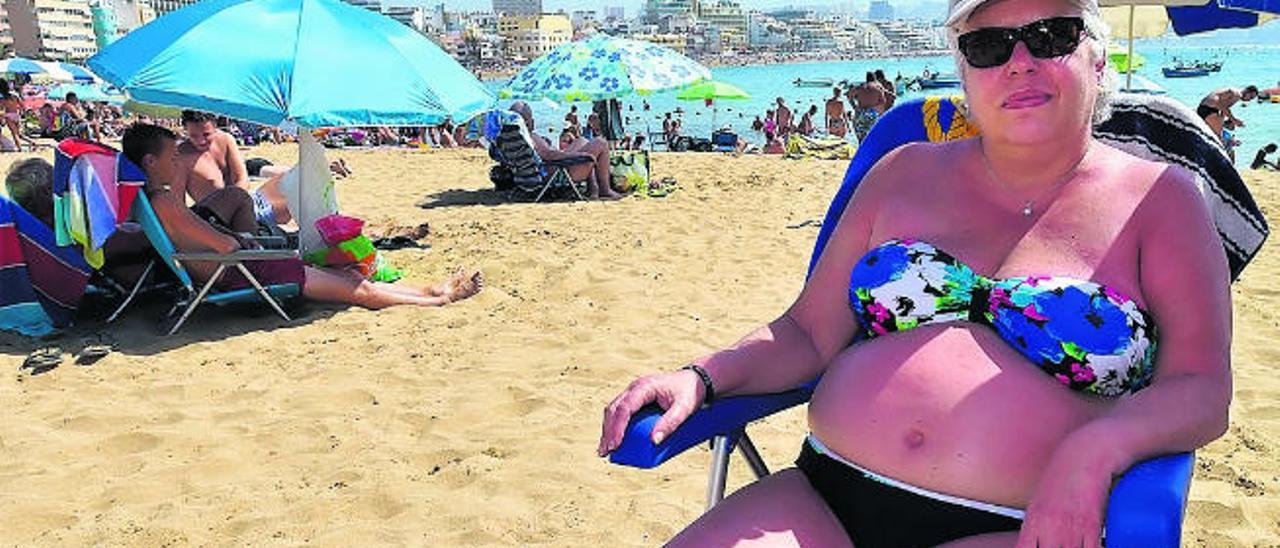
x: 813, y: 82
x: 939, y: 81
x: 1184, y: 72
x: 1213, y: 66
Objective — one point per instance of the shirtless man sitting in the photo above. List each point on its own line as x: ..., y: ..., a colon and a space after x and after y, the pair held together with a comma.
x: 155, y: 150
x: 213, y: 173
x: 599, y: 186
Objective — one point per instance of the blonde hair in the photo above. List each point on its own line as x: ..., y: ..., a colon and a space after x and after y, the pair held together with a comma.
x: 1097, y: 33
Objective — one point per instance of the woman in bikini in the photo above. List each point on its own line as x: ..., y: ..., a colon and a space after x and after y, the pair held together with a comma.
x: 1028, y: 328
x: 13, y: 109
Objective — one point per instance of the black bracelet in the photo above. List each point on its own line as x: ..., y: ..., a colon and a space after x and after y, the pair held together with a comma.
x: 710, y: 392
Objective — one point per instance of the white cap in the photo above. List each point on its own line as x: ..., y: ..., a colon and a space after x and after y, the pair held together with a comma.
x: 959, y: 10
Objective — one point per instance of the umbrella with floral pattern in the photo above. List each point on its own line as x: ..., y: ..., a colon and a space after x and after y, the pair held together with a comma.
x: 603, y: 67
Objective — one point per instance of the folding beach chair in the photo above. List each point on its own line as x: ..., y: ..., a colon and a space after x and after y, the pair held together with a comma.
x: 534, y: 176
x: 1146, y: 505
x: 724, y: 141
x: 189, y: 297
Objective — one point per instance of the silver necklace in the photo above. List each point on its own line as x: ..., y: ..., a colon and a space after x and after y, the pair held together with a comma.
x: 1028, y: 207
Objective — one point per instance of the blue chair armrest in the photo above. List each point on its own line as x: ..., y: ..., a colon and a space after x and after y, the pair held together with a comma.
x: 1146, y: 505
x: 1145, y: 508
x: 726, y: 416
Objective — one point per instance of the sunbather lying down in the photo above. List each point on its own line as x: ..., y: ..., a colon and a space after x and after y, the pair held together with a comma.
x: 154, y: 149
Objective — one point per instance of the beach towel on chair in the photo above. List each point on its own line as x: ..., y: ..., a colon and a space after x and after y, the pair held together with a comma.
x: 41, y: 284
x: 93, y: 191
x: 822, y: 148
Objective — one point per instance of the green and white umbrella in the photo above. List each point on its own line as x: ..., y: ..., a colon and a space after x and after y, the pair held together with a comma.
x: 713, y: 90
x: 603, y: 67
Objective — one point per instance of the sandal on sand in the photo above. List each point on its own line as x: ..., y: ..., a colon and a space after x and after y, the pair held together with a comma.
x: 43, y: 359
x: 95, y: 348
x: 664, y: 187
x: 399, y: 242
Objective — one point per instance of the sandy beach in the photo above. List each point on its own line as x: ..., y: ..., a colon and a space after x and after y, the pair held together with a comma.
x: 476, y: 424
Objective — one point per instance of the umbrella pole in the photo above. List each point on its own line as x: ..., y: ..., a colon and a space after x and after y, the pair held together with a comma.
x: 304, y: 134
x: 1128, y: 76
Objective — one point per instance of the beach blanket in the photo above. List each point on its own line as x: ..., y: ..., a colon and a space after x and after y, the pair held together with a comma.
x: 41, y: 284
x: 93, y: 191
x: 822, y: 148
x: 1148, y: 126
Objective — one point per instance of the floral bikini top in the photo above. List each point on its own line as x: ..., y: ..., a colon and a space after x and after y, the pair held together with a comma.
x: 1088, y: 336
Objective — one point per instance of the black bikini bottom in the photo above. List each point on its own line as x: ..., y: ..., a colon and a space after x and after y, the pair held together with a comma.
x: 877, y: 515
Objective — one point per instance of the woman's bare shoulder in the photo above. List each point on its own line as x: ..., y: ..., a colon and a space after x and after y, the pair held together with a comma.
x: 1153, y: 179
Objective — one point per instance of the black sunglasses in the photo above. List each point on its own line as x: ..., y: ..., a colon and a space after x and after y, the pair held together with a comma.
x: 1045, y: 39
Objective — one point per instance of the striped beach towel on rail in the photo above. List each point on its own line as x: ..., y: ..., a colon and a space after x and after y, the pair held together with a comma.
x: 93, y: 191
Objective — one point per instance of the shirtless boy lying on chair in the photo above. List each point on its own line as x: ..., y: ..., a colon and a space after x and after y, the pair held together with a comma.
x: 155, y: 150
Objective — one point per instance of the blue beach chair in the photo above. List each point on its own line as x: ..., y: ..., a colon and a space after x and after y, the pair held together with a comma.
x: 188, y: 296
x: 1146, y: 505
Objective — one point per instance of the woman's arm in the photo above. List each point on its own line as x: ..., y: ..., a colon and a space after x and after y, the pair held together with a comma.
x: 1184, y: 278
x: 1186, y: 282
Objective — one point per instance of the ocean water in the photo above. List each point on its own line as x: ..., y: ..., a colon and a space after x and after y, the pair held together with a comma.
x: 1242, y: 65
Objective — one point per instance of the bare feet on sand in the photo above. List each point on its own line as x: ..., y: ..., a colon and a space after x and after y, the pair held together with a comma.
x: 458, y: 286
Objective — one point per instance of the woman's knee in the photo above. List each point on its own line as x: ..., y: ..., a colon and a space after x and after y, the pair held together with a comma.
x: 779, y: 510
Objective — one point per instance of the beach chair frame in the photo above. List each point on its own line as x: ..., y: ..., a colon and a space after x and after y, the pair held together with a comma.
x: 1146, y: 505
x: 189, y: 298
x: 552, y: 175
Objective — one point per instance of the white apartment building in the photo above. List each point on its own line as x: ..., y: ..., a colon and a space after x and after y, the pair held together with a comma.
x: 531, y: 36
x: 6, y: 34
x: 162, y: 7
x: 51, y: 29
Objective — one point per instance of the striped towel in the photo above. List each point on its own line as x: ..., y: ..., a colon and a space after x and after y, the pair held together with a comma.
x: 41, y: 284
x: 93, y: 190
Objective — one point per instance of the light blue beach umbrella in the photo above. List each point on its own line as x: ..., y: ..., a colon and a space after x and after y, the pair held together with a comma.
x: 296, y: 63
x: 84, y: 92
x: 604, y: 67
x: 78, y: 73
x: 20, y: 65
x: 315, y: 63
